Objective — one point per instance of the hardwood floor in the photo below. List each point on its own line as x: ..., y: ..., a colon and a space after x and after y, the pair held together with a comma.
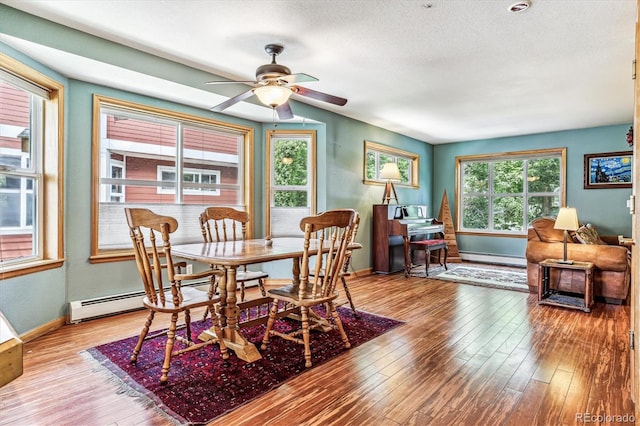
x: 466, y: 356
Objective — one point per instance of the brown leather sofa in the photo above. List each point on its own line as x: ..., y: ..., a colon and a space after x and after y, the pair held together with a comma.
x: 612, y: 263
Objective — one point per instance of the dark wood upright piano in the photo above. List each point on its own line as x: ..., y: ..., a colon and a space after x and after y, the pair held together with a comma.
x: 393, y: 228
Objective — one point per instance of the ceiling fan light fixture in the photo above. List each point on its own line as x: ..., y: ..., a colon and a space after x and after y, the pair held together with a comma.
x: 273, y: 95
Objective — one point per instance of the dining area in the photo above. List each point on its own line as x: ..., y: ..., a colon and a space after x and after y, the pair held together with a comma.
x: 423, y: 349
x: 319, y: 263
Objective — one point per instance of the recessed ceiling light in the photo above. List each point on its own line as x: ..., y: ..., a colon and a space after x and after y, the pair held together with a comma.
x: 520, y: 6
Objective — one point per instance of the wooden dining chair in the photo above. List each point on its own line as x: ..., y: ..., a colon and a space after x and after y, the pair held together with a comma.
x: 144, y: 226
x: 228, y: 224
x: 334, y: 229
x: 347, y: 262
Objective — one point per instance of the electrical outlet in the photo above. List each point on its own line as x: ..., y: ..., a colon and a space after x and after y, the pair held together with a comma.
x: 189, y: 268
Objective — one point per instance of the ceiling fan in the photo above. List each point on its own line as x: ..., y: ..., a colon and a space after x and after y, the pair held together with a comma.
x: 274, y: 85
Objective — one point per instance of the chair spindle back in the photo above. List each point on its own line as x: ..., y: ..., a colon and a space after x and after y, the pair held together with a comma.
x: 332, y: 228
x: 220, y: 218
x: 147, y: 253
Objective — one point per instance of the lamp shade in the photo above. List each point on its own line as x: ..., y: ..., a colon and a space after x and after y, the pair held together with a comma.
x: 567, y: 219
x: 390, y: 171
x: 273, y: 95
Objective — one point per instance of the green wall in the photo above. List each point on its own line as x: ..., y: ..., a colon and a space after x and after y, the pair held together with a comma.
x: 605, y: 208
x: 340, y: 161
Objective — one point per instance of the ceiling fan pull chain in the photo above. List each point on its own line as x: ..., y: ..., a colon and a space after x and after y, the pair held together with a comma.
x: 275, y: 123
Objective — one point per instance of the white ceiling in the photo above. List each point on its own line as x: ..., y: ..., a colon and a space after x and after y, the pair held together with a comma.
x: 437, y: 70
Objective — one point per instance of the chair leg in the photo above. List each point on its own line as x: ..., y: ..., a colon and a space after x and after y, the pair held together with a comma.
x: 270, y: 321
x: 187, y: 323
x: 143, y: 334
x: 338, y: 321
x: 427, y: 258
x: 348, y: 294
x: 446, y: 253
x: 304, y: 311
x: 213, y: 286
x: 242, y: 291
x: 171, y: 335
x: 261, y: 286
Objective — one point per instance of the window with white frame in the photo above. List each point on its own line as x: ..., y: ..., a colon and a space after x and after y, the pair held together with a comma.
x: 197, y: 176
x: 116, y: 191
x: 30, y: 240
x: 503, y: 193
x: 171, y: 163
x: 377, y: 155
x: 291, y: 180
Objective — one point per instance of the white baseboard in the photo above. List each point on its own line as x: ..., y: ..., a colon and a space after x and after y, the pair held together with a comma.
x: 80, y: 310
x: 494, y: 258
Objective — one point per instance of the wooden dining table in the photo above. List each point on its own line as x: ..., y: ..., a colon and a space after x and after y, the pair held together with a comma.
x: 229, y: 255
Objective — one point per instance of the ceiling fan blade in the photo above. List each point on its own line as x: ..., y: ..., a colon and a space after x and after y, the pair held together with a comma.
x: 284, y: 111
x: 232, y: 101
x: 231, y: 82
x: 297, y: 78
x: 314, y: 94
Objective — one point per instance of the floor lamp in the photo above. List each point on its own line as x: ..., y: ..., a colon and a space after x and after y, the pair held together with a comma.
x: 567, y: 220
x: 389, y: 172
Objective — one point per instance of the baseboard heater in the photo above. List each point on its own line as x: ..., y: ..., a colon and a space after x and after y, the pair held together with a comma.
x: 82, y: 310
x: 493, y: 258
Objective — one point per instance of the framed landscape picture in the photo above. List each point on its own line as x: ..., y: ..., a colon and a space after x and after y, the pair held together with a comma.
x: 608, y: 170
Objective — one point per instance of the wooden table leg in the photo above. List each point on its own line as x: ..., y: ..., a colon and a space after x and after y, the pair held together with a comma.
x: 541, y: 289
x: 295, y: 271
x: 234, y: 340
x: 588, y: 289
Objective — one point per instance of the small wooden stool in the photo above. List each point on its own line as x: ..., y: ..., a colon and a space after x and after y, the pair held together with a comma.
x: 430, y: 246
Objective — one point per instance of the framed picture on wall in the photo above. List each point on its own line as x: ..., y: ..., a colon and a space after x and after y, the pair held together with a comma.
x: 608, y: 170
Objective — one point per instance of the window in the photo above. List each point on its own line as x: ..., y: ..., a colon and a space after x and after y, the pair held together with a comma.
x: 290, y: 180
x: 30, y: 240
x: 503, y: 193
x: 377, y: 155
x: 116, y: 194
x: 168, y: 162
x: 211, y: 177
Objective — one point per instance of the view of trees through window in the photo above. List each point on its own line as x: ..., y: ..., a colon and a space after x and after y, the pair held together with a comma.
x: 505, y: 194
x: 375, y: 162
x: 377, y: 155
x: 290, y: 170
x: 290, y: 180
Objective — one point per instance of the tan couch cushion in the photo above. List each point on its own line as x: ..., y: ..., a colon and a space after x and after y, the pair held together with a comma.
x: 544, y: 228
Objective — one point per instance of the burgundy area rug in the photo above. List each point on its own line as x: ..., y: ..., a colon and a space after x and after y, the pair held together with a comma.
x: 203, y: 386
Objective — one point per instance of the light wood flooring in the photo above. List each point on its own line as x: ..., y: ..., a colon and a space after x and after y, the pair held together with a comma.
x: 467, y: 355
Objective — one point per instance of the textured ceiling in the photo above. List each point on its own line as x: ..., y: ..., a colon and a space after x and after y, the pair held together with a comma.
x: 437, y: 70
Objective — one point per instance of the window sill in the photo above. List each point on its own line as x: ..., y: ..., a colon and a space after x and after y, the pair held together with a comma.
x: 491, y: 234
x: 18, y: 270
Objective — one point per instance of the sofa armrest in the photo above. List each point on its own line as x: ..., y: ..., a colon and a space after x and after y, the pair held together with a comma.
x: 605, y: 257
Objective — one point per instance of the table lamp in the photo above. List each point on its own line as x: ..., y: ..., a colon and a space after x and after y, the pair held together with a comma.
x: 390, y: 172
x: 567, y: 220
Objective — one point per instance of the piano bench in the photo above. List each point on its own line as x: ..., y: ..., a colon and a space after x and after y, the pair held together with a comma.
x: 431, y: 246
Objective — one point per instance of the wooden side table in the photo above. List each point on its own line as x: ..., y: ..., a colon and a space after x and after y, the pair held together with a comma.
x: 549, y: 296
